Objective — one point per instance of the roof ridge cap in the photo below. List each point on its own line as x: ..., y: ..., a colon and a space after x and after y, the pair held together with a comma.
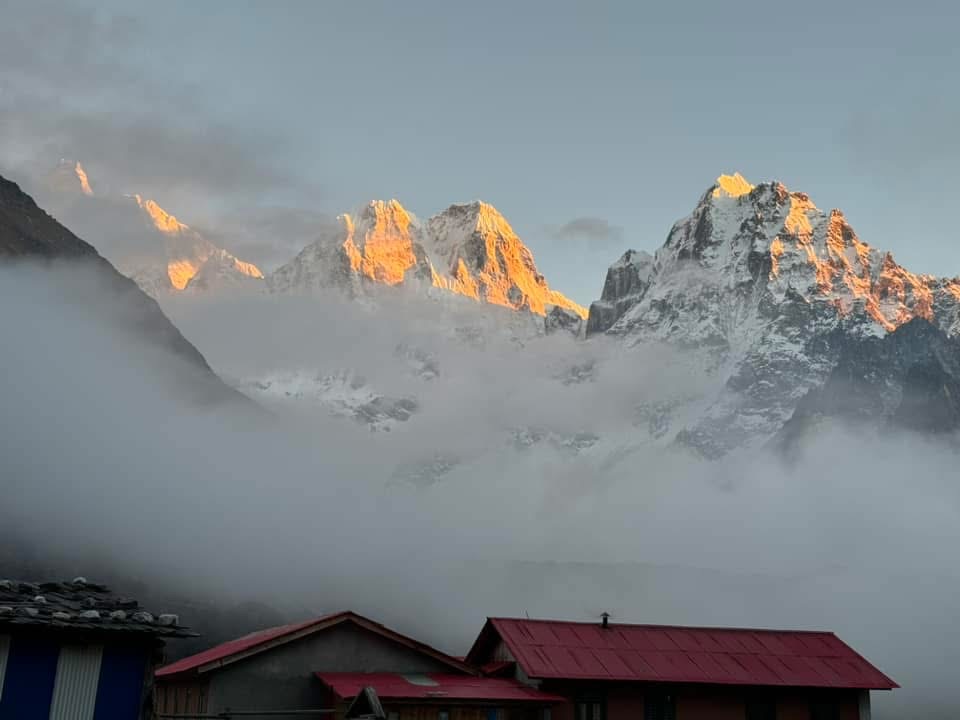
x: 661, y: 626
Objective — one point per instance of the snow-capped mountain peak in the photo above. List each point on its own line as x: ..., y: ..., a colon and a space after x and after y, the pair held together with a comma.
x: 476, y: 252
x: 382, y: 241
x: 188, y: 254
x: 145, y: 241
x: 161, y: 219
x: 379, y: 244
x: 754, y: 281
x: 744, y: 241
x: 731, y: 186
x: 468, y: 249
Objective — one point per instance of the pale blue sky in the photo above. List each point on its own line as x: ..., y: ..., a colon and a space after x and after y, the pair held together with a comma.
x: 551, y: 111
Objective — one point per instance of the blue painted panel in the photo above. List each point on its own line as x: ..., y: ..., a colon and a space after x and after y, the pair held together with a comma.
x: 28, y: 685
x: 121, y: 683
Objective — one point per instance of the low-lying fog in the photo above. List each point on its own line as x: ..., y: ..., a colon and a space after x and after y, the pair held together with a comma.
x: 102, y: 462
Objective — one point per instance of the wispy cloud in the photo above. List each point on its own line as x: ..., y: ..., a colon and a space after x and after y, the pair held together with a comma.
x: 81, y: 94
x: 595, y: 232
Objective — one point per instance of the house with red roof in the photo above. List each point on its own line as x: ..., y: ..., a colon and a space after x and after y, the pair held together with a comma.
x: 323, y: 664
x: 523, y: 669
x: 608, y: 671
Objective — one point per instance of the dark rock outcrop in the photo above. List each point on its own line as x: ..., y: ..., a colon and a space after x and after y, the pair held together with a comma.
x: 627, y: 280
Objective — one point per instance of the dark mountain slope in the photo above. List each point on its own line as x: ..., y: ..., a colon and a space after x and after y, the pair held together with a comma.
x: 27, y: 233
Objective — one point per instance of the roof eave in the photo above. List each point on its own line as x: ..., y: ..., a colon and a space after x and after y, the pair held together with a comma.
x: 594, y: 679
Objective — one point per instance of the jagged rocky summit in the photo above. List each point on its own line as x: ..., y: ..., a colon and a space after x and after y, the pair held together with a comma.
x: 468, y: 250
x: 781, y: 300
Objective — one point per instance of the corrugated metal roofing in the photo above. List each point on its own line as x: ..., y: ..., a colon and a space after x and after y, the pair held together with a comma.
x: 232, y: 647
x: 263, y: 639
x: 549, y: 649
x: 435, y: 686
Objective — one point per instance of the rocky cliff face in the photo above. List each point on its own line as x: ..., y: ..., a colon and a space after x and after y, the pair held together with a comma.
x: 908, y: 379
x: 380, y: 244
x: 627, y: 280
x: 476, y: 253
x: 762, y: 286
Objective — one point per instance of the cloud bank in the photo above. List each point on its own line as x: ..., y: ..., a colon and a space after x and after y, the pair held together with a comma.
x: 101, y: 463
x: 82, y: 94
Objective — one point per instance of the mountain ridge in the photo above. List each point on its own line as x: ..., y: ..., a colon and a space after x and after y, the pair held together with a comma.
x: 775, y: 301
x: 469, y: 249
x: 760, y: 284
x: 28, y: 233
x: 156, y: 249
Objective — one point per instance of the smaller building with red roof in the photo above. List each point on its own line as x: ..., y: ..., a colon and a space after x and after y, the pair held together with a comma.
x: 324, y: 663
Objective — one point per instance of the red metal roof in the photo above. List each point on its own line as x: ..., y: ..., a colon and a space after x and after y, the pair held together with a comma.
x: 549, y: 649
x: 436, y: 686
x: 265, y: 639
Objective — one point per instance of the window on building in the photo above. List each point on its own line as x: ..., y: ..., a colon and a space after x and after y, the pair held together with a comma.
x: 761, y: 708
x: 589, y: 710
x: 546, y: 714
x: 393, y: 715
x: 824, y: 710
x: 659, y: 706
x: 443, y: 715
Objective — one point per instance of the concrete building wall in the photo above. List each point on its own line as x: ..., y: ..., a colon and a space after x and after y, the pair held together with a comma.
x: 283, y: 679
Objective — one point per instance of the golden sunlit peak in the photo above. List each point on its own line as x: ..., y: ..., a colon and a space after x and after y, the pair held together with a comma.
x: 162, y: 220
x: 732, y: 186
x: 375, y: 209
x: 388, y: 207
x: 488, y: 218
x: 84, y: 181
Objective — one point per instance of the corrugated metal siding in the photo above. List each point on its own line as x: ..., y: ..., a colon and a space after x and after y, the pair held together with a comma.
x: 75, y: 690
x: 4, y: 651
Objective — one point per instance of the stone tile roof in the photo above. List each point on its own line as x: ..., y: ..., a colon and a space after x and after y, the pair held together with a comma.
x: 80, y: 605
